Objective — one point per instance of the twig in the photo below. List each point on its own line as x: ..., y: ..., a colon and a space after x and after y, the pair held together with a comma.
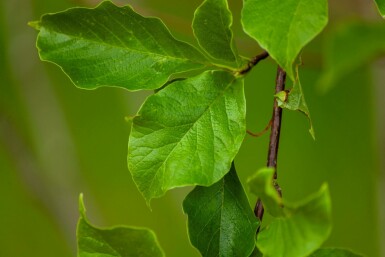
x: 254, y: 61
x: 274, y: 139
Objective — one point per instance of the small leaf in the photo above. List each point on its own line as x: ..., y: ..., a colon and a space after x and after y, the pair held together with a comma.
x: 299, y: 229
x: 212, y: 28
x: 220, y: 220
x: 187, y: 134
x: 381, y: 7
x: 113, y: 46
x: 303, y: 229
x: 118, y: 241
x: 261, y: 184
x: 283, y: 28
x: 295, y: 101
x: 334, y: 252
x: 344, y: 51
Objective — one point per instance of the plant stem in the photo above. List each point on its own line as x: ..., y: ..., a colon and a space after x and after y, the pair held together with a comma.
x: 254, y: 61
x: 274, y: 138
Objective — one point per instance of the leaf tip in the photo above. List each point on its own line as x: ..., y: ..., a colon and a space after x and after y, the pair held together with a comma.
x: 82, y: 208
x: 34, y: 24
x: 311, y: 131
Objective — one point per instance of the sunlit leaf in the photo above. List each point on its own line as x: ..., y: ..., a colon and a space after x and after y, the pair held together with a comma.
x: 119, y: 241
x: 300, y: 228
x: 211, y: 24
x: 187, y: 134
x: 349, y: 47
x: 113, y: 46
x: 283, y: 28
x: 220, y: 220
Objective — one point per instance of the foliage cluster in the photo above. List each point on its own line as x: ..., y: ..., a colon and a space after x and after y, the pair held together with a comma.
x: 189, y: 131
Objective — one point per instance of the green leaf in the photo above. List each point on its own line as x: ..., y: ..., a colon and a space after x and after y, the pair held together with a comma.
x: 299, y: 229
x: 334, y: 252
x: 350, y: 47
x: 111, y: 242
x: 211, y: 25
x: 113, y: 46
x: 381, y: 7
x: 187, y: 134
x: 303, y: 229
x: 256, y: 253
x: 295, y: 101
x: 220, y: 220
x: 261, y: 184
x: 283, y: 28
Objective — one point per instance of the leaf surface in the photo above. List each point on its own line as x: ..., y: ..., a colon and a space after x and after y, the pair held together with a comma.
x: 187, y: 134
x: 261, y: 185
x: 220, y: 220
x: 348, y: 48
x: 119, y: 241
x: 212, y: 28
x: 300, y: 228
x: 283, y: 28
x: 295, y: 101
x: 113, y: 46
x: 333, y: 252
x: 381, y: 7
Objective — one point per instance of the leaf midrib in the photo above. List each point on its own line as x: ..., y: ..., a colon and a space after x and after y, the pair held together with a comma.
x: 149, y: 53
x: 172, y: 150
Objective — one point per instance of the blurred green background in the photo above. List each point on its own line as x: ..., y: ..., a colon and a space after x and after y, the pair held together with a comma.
x: 57, y: 141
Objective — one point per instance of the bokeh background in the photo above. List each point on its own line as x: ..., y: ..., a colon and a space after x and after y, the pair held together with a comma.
x: 57, y: 141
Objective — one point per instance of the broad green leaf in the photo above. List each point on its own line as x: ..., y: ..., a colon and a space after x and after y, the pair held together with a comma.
x: 300, y: 228
x: 295, y: 101
x: 220, y: 220
x: 283, y: 28
x: 212, y: 28
x: 334, y: 252
x: 117, y: 241
x: 187, y: 134
x: 381, y: 7
x: 348, y: 48
x: 113, y: 46
x: 261, y: 184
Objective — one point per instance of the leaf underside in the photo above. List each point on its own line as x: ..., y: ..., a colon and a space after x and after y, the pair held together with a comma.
x: 220, y: 220
x: 298, y: 229
x: 214, y: 34
x: 113, y: 46
x: 118, y: 241
x: 187, y: 134
x: 283, y: 28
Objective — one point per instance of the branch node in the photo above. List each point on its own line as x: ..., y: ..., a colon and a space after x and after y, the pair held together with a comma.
x: 254, y: 61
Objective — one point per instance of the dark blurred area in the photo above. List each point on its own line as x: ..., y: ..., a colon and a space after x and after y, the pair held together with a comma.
x: 57, y: 141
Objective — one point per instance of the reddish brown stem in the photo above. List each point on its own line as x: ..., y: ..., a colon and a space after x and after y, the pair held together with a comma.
x: 256, y: 59
x: 274, y: 138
